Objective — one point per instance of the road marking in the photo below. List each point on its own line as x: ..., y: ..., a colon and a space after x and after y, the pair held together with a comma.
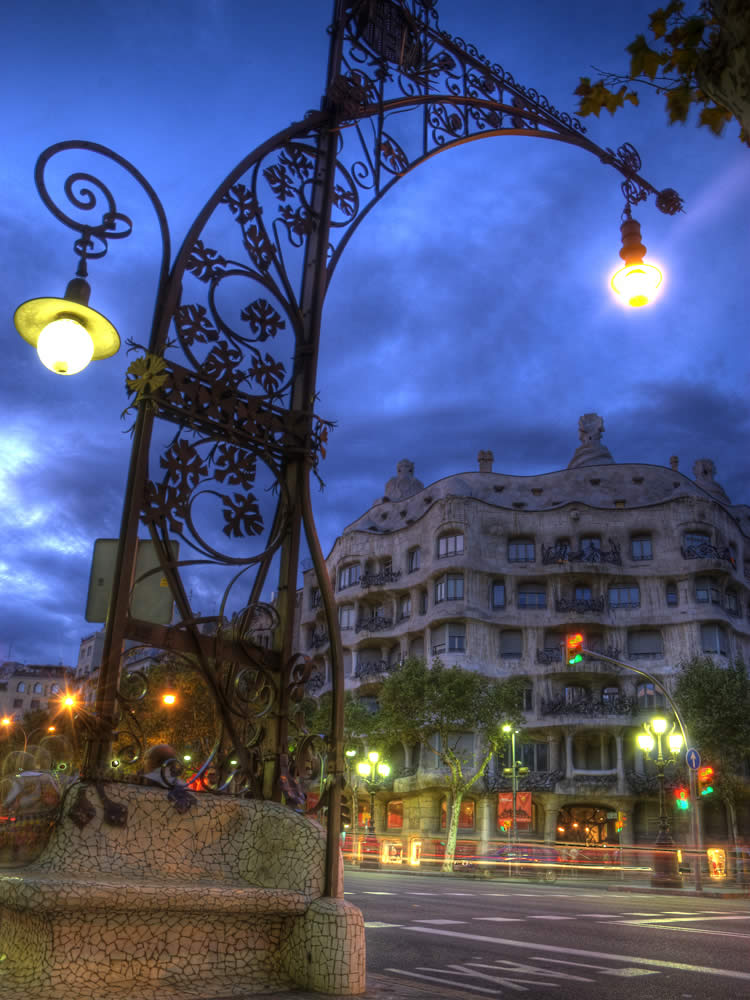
x: 679, y: 913
x: 376, y: 892
x: 602, y: 968
x: 607, y: 916
x: 508, y: 965
x: 437, y: 920
x: 683, y: 920
x: 512, y: 920
x: 442, y: 981
x: 422, y: 893
x: 583, y: 952
x: 548, y: 916
x: 379, y: 923
x: 459, y: 894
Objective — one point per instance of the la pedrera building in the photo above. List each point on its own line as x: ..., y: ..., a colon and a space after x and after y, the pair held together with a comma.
x: 490, y: 572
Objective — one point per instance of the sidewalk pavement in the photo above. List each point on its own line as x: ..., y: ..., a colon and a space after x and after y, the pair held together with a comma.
x: 379, y: 987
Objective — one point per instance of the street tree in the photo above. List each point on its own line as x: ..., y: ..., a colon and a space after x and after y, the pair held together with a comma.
x: 437, y: 706
x: 715, y: 701
x: 696, y: 59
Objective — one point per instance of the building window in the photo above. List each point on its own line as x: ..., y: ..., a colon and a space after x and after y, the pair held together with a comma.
x: 34, y: 703
x: 533, y: 755
x: 640, y: 547
x: 38, y: 689
x: 532, y: 595
x: 610, y: 695
x: 582, y: 592
x: 55, y: 689
x: 498, y: 594
x: 395, y: 814
x: 423, y: 602
x: 315, y: 598
x: 590, y: 543
x: 20, y: 687
x: 450, y: 638
x: 645, y: 642
x: 648, y: 696
x: 706, y: 590
x: 624, y: 596
x: 732, y: 603
x: 695, y: 540
x: 18, y: 703
x: 574, y: 693
x: 671, y: 594
x: 404, y: 607
x: 528, y: 699
x: 521, y: 550
x: 510, y: 644
x: 346, y: 616
x: 465, y: 815
x: 450, y: 545
x: 348, y: 576
x: 714, y: 639
x: 449, y: 587
x: 412, y: 560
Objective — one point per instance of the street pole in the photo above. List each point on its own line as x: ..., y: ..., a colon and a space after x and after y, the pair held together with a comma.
x: 696, y: 832
x: 514, y: 785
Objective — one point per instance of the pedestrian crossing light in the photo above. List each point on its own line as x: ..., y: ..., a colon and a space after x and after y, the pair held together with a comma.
x: 706, y: 780
x: 573, y: 648
x: 682, y: 799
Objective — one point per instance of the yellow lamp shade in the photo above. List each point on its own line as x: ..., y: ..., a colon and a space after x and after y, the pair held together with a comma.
x: 384, y: 770
x: 637, y: 284
x: 675, y: 742
x: 373, y: 756
x: 646, y: 742
x: 65, y: 330
x: 659, y: 725
x: 363, y: 769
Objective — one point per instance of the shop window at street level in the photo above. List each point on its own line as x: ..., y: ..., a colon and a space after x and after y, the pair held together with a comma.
x: 641, y: 548
x: 465, y: 815
x: 395, y: 814
x: 450, y: 545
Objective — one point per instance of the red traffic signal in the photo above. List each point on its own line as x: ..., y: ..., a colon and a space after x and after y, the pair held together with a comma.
x: 682, y: 797
x: 706, y: 780
x: 573, y: 648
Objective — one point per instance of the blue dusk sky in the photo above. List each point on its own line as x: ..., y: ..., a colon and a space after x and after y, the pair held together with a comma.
x: 470, y: 311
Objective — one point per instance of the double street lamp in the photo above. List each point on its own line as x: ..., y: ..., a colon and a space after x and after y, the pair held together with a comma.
x: 516, y: 770
x: 374, y: 773
x: 653, y: 738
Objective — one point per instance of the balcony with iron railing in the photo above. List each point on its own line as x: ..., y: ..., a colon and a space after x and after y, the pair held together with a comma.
x: 554, y: 655
x: 374, y: 669
x: 589, y: 706
x: 580, y: 606
x: 380, y: 579
x: 374, y: 623
x: 707, y: 551
x: 561, y: 554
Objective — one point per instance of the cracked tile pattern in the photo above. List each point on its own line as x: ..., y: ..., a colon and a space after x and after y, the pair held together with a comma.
x: 223, y: 899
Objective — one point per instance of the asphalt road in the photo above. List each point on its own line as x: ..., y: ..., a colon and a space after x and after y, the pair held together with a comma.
x: 503, y: 938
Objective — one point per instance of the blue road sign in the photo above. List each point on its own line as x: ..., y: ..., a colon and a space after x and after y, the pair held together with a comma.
x: 693, y: 759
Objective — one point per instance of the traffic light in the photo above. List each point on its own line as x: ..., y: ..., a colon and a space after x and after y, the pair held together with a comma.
x: 573, y: 647
x: 706, y: 780
x: 682, y: 798
x: 346, y: 814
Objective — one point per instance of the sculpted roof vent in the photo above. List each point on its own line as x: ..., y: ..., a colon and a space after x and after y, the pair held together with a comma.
x: 591, y: 451
x: 403, y: 485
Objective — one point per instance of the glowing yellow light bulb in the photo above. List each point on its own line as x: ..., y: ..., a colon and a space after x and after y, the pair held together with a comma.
x: 65, y: 347
x: 646, y: 742
x: 637, y: 284
x: 659, y: 725
x: 169, y: 698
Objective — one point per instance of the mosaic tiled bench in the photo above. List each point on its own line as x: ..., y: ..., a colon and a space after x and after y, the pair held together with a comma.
x: 224, y: 899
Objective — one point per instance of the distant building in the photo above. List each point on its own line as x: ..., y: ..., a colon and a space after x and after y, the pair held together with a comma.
x: 490, y: 571
x: 30, y: 688
x: 135, y: 657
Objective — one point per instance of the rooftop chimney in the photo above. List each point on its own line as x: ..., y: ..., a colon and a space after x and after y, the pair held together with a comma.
x: 486, y: 458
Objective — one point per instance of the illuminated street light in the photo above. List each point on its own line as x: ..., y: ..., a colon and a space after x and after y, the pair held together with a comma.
x: 636, y: 283
x: 374, y: 773
x: 66, y: 332
x: 666, y: 870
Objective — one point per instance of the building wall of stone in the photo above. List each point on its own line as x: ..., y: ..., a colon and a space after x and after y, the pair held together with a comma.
x: 628, y: 508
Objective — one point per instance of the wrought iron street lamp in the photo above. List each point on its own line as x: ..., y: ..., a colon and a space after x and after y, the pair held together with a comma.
x: 375, y: 773
x: 214, y: 379
x: 515, y: 771
x: 636, y: 283
x: 666, y: 869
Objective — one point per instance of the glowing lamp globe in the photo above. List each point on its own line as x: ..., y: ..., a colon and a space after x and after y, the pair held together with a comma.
x: 363, y: 769
x: 636, y: 284
x: 384, y: 770
x: 675, y: 742
x: 66, y: 332
x: 659, y: 725
x: 646, y: 742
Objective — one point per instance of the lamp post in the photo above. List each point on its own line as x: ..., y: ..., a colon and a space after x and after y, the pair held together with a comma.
x: 514, y: 772
x: 374, y: 773
x: 215, y: 369
x: 666, y: 868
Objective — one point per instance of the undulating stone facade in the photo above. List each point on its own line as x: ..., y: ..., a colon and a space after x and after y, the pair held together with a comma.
x: 490, y: 571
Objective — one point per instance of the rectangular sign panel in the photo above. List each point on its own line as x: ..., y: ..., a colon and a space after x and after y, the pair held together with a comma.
x: 151, y: 600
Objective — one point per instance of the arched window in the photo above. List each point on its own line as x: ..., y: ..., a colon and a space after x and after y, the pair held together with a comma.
x: 450, y: 545
x: 38, y: 689
x: 20, y: 687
